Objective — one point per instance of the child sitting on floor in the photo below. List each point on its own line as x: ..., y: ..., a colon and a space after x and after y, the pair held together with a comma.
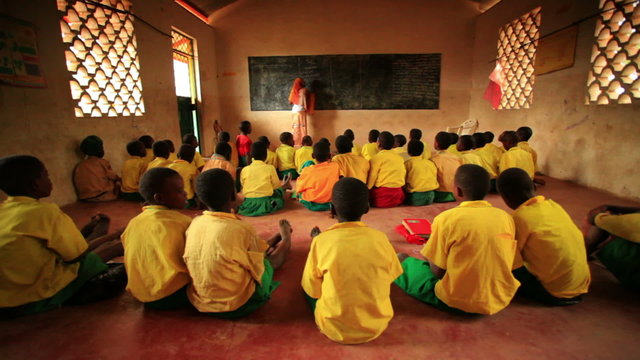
x: 416, y: 134
x: 272, y: 159
x: 263, y: 193
x: 45, y: 261
x: 316, y: 182
x: 465, y: 151
x: 243, y: 144
x: 304, y: 154
x: 453, y: 148
x: 514, y: 156
x: 132, y: 170
x: 551, y: 263
x: 225, y: 137
x: 422, y: 176
x: 447, y: 165
x: 357, y: 149
x: 172, y: 151
x: 286, y: 157
x: 488, y: 157
x: 185, y: 167
x: 154, y: 243
x: 221, y: 160
x: 399, y: 146
x: 349, y: 270
x: 161, y: 151
x: 192, y: 140
x: 469, y: 255
x: 370, y: 149
x: 231, y: 268
x: 386, y: 175
x: 524, y: 134
x: 351, y: 165
x: 148, y: 145
x: 93, y: 177
x: 488, y: 139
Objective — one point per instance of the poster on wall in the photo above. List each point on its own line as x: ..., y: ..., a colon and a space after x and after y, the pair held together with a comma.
x: 556, y: 52
x: 19, y: 61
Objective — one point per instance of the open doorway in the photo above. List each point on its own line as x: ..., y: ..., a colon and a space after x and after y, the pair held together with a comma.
x: 185, y: 71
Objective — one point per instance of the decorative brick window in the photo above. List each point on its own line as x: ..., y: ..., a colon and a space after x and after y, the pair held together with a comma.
x: 517, y: 43
x: 102, y: 57
x: 613, y: 78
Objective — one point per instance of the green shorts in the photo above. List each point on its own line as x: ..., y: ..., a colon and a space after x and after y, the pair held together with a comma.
x: 293, y: 172
x: 311, y: 301
x: 314, y: 206
x: 531, y: 287
x: 176, y: 300
x: 262, y: 205
x: 443, y: 196
x: 419, y: 198
x: 622, y: 258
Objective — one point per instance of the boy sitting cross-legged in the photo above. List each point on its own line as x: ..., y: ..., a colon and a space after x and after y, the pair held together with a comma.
x: 351, y: 165
x: 132, y: 170
x: 422, y: 176
x: 161, y: 151
x: 316, y: 182
x: 386, y: 175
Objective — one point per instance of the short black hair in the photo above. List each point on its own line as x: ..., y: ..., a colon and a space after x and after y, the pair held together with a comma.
x: 373, y: 135
x: 152, y: 182
x: 171, y: 147
x: 224, y: 149
x: 325, y: 140
x: 18, y: 173
x: 344, y: 144
x: 386, y: 140
x: 524, y: 133
x: 321, y: 151
x: 454, y: 138
x: 478, y: 140
x: 350, y: 198
x: 465, y: 143
x: 244, y: 126
x: 349, y: 133
x: 147, y: 140
x: 473, y: 180
x: 443, y: 140
x: 136, y: 148
x: 514, y: 183
x: 259, y: 151
x: 161, y: 149
x: 400, y: 139
x: 92, y: 146
x: 488, y: 137
x: 286, y: 137
x: 509, y: 137
x: 265, y: 140
x: 224, y: 136
x: 307, y: 140
x: 186, y: 152
x: 215, y: 188
x: 189, y: 139
x: 415, y: 147
x: 415, y: 134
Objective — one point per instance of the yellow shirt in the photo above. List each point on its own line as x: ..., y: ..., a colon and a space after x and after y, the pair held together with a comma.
x: 453, y: 148
x: 349, y: 269
x: 258, y: 180
x: 189, y: 173
x: 302, y: 155
x: 148, y: 157
x: 153, y: 248
x: 498, y: 151
x: 316, y: 182
x: 475, y: 244
x: 272, y: 159
x: 369, y: 150
x: 352, y: 166
x: 198, y: 161
x: 447, y: 165
x: 220, y: 162
x: 626, y: 226
x: 489, y: 159
x: 225, y: 258
x: 285, y: 154
x: 36, y: 241
x: 426, y: 153
x: 551, y: 247
x: 519, y: 158
x: 524, y: 145
x: 93, y: 177
x: 387, y: 170
x: 356, y: 149
x: 422, y: 174
x: 469, y: 157
x: 132, y: 170
x: 172, y: 157
x: 402, y: 151
x: 158, y: 162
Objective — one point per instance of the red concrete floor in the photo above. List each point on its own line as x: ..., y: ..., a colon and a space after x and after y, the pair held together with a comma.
x: 606, y: 325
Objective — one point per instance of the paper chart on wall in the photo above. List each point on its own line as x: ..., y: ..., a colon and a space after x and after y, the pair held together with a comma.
x: 19, y: 60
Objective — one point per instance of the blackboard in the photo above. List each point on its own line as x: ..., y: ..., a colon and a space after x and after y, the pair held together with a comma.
x: 348, y: 82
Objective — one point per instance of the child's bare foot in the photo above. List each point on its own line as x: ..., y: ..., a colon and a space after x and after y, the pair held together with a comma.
x: 98, y: 226
x: 286, y: 182
x: 402, y: 256
x: 539, y: 181
x: 277, y: 253
x: 315, y: 232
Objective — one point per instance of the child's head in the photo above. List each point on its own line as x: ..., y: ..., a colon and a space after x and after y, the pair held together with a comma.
x: 321, y: 151
x: 524, y: 133
x: 465, y: 143
x: 415, y: 148
x: 245, y: 127
x: 259, y: 151
x: 399, y: 140
x: 343, y: 144
x: 472, y: 181
x: 146, y: 140
x: 224, y: 149
x: 307, y: 140
x: 326, y: 141
x: 454, y: 138
x: 216, y: 189
x: 373, y: 135
x: 163, y: 186
x: 136, y: 148
x: 190, y: 139
x: 515, y: 187
x: 92, y: 146
x: 478, y: 140
x: 350, y: 199
x: 509, y: 139
x: 172, y: 148
x: 386, y: 140
x: 224, y: 136
x: 265, y: 140
x: 24, y: 175
x: 286, y: 138
x: 415, y: 134
x: 349, y: 133
x: 442, y: 141
x: 488, y: 137
x: 186, y: 152
x: 161, y: 149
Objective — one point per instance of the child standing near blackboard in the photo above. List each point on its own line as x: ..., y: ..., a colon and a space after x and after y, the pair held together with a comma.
x: 243, y: 144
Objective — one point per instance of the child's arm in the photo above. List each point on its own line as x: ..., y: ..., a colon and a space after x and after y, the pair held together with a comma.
x: 437, y: 271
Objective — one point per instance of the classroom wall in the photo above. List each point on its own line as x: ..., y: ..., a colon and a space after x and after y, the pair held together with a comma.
x: 592, y: 145
x: 286, y: 27
x: 41, y: 122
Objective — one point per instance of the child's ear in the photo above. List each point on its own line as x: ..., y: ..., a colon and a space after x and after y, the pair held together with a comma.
x: 157, y: 198
x: 459, y: 191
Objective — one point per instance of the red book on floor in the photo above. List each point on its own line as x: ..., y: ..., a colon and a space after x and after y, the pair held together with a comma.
x: 420, y: 227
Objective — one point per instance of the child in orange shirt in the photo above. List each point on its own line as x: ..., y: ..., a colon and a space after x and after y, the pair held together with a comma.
x: 220, y: 160
x: 93, y: 177
x: 316, y: 182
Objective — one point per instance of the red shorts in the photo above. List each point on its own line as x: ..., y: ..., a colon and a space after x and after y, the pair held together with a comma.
x: 384, y: 197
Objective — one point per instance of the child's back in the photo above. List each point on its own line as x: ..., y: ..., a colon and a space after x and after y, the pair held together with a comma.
x: 95, y: 180
x: 351, y: 165
x: 220, y: 160
x: 187, y: 170
x: 447, y: 165
x: 316, y: 182
x: 515, y: 157
x: 302, y: 155
x: 422, y: 174
x: 134, y: 167
x: 369, y: 150
x: 258, y: 180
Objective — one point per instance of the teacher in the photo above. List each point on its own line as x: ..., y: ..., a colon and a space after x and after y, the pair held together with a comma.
x: 303, y: 102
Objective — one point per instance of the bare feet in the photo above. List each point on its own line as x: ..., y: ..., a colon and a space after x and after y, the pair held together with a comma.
x: 315, y: 232
x: 109, y: 250
x: 402, y: 256
x: 278, y: 251
x: 286, y: 182
x: 98, y: 226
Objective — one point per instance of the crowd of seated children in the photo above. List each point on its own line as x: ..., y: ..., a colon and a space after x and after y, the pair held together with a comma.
x: 514, y: 156
x: 399, y: 142
x: 161, y: 151
x: 147, y: 141
x: 187, y: 169
x: 349, y: 270
x: 132, y: 170
x: 243, y: 144
x: 386, y: 175
x: 316, y: 182
x: 371, y: 148
x: 351, y: 165
x: 304, y: 153
x: 93, y: 178
x: 357, y: 149
x: 262, y: 190
x: 465, y: 150
x: 447, y: 165
x: 221, y: 159
x: 286, y: 156
x: 416, y: 134
x: 422, y: 176
x: 190, y: 139
x: 272, y: 159
x: 231, y: 268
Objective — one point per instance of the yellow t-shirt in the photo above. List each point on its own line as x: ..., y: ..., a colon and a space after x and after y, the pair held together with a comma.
x: 490, y: 159
x: 148, y: 157
x: 356, y: 149
x: 172, y: 157
x: 36, y: 242
x: 349, y: 269
x: 422, y: 174
x: 132, y: 170
x: 475, y: 244
x: 387, y: 170
x: 551, y: 247
x: 158, y: 162
x: 285, y: 154
x: 198, y: 161
x: 402, y: 151
x: 369, y: 150
x: 220, y: 162
x: 301, y: 156
x: 626, y: 226
x: 225, y: 258
x: 272, y: 159
x: 426, y: 153
x: 469, y: 157
x: 189, y: 173
x: 94, y: 177
x: 153, y: 248
x: 316, y: 182
x: 447, y: 165
x: 352, y: 165
x: 498, y: 151
x: 453, y: 148
x: 524, y: 145
x: 258, y: 180
x: 519, y: 158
